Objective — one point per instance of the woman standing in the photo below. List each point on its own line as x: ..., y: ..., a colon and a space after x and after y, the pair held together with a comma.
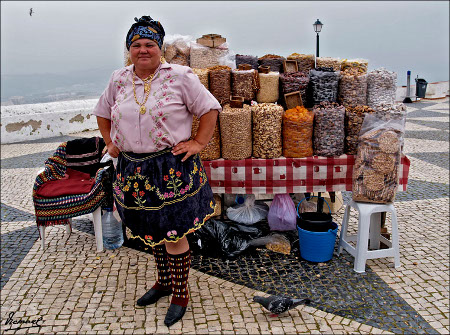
x: 160, y: 187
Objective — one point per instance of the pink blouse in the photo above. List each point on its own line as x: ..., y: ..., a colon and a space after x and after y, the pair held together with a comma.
x: 176, y: 94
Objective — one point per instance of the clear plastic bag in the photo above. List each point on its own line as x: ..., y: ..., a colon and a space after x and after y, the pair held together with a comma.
x: 248, y: 212
x: 203, y: 57
x: 177, y: 49
x: 273, y: 242
x: 375, y: 173
x: 282, y: 214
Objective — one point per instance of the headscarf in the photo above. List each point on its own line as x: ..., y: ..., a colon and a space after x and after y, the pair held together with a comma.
x: 146, y: 27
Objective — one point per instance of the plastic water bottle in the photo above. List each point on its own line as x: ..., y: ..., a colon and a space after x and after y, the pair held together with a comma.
x: 112, y: 231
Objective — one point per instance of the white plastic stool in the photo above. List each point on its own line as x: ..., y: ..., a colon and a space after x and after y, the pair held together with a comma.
x: 369, y: 228
x: 97, y: 220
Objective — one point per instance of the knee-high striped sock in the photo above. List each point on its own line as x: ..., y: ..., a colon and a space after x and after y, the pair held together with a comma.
x: 179, y: 267
x: 164, y: 280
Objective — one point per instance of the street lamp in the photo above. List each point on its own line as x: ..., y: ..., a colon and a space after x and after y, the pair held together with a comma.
x: 317, y: 28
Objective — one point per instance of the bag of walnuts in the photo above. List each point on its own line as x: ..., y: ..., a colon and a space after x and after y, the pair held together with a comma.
x: 236, y: 132
x: 375, y: 173
x: 267, y: 122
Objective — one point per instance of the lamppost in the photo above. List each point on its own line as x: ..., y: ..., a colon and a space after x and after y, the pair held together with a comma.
x: 317, y: 28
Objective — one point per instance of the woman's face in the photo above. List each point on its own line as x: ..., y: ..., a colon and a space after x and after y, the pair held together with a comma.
x: 145, y: 54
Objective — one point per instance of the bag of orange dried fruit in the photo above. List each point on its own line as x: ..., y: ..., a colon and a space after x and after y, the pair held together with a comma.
x: 298, y: 125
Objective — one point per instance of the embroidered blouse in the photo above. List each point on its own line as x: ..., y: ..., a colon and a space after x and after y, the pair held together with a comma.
x: 176, y: 95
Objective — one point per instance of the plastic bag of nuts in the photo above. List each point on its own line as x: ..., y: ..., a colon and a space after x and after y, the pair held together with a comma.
x: 220, y: 83
x: 353, y: 90
x: 297, y: 132
x: 274, y: 61
x: 354, y: 66
x: 247, y: 59
x: 218, y: 205
x: 244, y: 83
x: 236, y: 132
x: 203, y: 75
x: 267, y: 122
x: 324, y: 86
x: 335, y: 63
x: 274, y: 242
x: 268, y: 87
x: 354, y: 117
x: 329, y: 129
x: 381, y: 87
x: 375, y: 173
x: 295, y: 81
x: 305, y: 63
x: 203, y: 57
x: 212, y: 149
x: 177, y: 49
x: 391, y: 111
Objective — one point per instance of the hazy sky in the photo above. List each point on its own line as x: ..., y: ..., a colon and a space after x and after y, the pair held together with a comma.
x: 67, y: 36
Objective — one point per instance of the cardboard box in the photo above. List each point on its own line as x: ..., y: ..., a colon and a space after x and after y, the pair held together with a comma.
x: 290, y: 65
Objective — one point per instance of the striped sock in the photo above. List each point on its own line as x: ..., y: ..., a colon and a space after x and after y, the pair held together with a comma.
x: 164, y: 281
x: 179, y: 267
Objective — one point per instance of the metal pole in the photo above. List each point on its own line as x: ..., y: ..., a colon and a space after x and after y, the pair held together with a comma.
x: 408, y: 90
x: 317, y: 45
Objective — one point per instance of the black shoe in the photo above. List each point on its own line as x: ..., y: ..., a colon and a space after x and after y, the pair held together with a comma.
x: 152, y: 296
x: 174, y: 314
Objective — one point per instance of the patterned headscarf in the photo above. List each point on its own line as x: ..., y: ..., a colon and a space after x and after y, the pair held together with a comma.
x: 146, y: 27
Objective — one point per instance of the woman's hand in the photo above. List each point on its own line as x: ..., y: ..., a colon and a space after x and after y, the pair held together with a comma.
x: 191, y: 147
x: 113, y: 151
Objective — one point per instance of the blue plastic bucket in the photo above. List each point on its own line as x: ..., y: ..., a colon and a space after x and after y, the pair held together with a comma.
x: 317, y: 246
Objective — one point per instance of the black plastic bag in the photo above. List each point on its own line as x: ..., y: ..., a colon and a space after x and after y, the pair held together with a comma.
x: 219, y: 239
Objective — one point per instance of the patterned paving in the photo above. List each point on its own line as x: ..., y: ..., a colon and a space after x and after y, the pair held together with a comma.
x: 75, y: 290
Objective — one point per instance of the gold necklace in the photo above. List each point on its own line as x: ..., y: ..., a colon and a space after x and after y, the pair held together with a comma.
x: 147, y: 86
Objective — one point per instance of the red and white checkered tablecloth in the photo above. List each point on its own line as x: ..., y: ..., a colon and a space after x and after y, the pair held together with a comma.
x: 287, y: 175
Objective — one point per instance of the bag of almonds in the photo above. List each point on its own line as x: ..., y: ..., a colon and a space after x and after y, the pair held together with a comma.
x: 236, y: 132
x: 354, y: 117
x: 244, y: 83
x: 297, y: 132
x: 375, y: 173
x: 220, y: 83
x: 267, y: 122
x: 212, y: 149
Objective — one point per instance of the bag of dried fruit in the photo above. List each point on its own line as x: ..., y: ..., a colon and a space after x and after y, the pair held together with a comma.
x: 375, y: 173
x: 298, y: 125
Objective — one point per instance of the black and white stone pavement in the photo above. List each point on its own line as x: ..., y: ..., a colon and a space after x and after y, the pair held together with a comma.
x: 75, y: 290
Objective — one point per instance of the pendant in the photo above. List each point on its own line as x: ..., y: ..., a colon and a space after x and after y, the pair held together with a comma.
x: 143, y: 110
x: 146, y: 88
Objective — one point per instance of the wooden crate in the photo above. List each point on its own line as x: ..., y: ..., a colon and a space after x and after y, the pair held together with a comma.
x: 293, y: 99
x: 244, y: 67
x: 290, y: 65
x: 263, y: 69
x: 236, y: 101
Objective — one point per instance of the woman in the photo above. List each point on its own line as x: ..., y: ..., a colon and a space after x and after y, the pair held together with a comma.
x: 160, y: 187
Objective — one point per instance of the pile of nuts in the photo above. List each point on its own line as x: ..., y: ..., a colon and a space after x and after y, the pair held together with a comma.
x: 334, y: 63
x: 212, y: 149
x: 243, y: 84
x: 329, y: 129
x: 324, y: 86
x: 220, y: 83
x: 381, y: 87
x: 203, y: 75
x: 297, y: 132
x: 375, y: 173
x: 354, y: 117
x: 391, y: 111
x: 305, y: 62
x: 269, y: 84
x: 353, y: 90
x: 246, y: 59
x: 267, y: 122
x: 177, y: 52
x: 274, y: 61
x: 204, y: 57
x: 236, y: 132
x: 354, y: 66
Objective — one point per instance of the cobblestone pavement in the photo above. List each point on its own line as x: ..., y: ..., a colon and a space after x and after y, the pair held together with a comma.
x: 70, y: 289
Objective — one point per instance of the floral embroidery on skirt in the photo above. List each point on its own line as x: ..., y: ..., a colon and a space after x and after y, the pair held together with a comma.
x: 160, y: 198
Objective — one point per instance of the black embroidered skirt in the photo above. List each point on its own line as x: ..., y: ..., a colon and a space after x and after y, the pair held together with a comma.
x: 160, y: 198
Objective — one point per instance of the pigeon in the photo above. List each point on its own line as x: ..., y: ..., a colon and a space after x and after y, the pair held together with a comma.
x: 278, y: 305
